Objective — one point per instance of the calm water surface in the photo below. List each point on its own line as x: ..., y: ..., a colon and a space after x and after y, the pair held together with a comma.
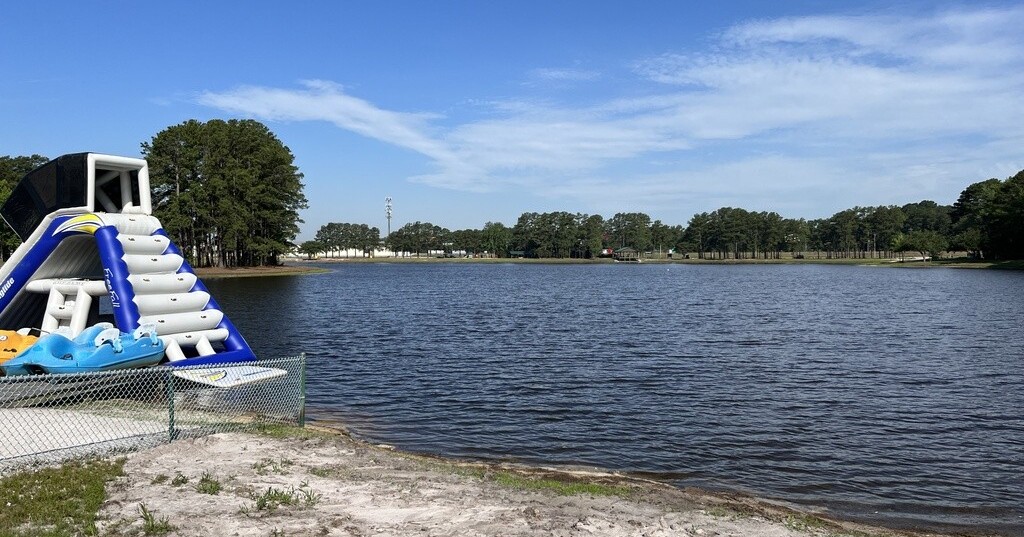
x: 879, y: 394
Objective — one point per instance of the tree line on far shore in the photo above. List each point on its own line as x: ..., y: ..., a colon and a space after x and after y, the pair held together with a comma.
x: 987, y: 222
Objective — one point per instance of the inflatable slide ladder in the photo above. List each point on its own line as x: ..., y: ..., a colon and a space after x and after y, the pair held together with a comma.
x: 154, y: 285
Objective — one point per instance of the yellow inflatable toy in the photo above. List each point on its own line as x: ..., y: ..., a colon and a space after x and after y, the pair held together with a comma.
x: 12, y: 343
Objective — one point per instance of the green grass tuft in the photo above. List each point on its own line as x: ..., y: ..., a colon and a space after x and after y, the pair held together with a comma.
x: 56, y: 501
x: 564, y: 488
x: 208, y: 484
x: 151, y: 525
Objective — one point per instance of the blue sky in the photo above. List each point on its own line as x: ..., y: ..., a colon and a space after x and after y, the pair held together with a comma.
x: 469, y: 112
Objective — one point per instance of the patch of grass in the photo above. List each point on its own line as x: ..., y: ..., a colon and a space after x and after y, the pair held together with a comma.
x: 267, y: 466
x: 161, y: 478
x: 179, y: 479
x: 151, y: 525
x: 561, y: 487
x: 273, y: 498
x: 56, y: 501
x: 320, y: 471
x: 515, y: 480
x: 308, y: 496
x: 208, y: 484
x: 803, y: 522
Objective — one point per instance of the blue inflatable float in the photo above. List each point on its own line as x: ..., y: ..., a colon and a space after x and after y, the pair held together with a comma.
x: 97, y: 348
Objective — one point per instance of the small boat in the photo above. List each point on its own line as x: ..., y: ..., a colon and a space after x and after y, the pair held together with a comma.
x: 98, y: 348
x: 13, y: 343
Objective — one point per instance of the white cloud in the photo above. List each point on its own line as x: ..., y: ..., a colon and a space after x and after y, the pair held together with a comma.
x: 842, y: 104
x: 564, y: 75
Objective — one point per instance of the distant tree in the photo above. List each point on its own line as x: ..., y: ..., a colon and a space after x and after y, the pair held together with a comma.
x: 311, y: 248
x: 927, y: 215
x: 12, y: 169
x: 973, y: 216
x: 631, y: 230
x: 495, y: 238
x: 589, y: 235
x: 1006, y: 231
x: 927, y: 242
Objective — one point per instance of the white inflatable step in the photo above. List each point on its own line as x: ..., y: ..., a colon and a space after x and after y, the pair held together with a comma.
x: 175, y: 323
x: 191, y: 339
x: 149, y: 264
x: 67, y: 286
x: 150, y: 284
x: 172, y: 303
x: 131, y: 224
x: 143, y: 244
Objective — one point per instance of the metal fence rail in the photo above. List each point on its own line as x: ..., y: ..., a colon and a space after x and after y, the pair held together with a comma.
x: 51, y: 418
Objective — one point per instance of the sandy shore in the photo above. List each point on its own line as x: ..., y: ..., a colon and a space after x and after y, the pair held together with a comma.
x: 334, y: 485
x: 243, y: 272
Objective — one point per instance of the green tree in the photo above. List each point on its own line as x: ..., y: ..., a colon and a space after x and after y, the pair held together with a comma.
x: 1006, y: 231
x: 631, y: 230
x: 12, y: 169
x: 495, y: 238
x: 927, y: 242
x: 311, y: 248
x: 228, y: 192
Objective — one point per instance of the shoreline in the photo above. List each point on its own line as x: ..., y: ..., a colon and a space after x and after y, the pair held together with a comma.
x: 942, y: 263
x: 342, y: 485
x: 307, y: 267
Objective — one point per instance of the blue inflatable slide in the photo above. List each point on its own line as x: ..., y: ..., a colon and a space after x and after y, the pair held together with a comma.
x: 92, y: 252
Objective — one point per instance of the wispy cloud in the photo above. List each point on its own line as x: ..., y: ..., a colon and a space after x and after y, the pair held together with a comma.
x: 564, y: 75
x: 833, y: 104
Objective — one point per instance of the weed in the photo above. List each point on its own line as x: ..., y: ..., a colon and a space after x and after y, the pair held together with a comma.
x: 208, y: 484
x: 162, y: 478
x: 320, y: 472
x: 179, y: 480
x: 803, y: 522
x: 563, y: 488
x: 267, y: 466
x: 152, y: 525
x: 58, y: 501
x: 309, y: 497
x: 273, y: 498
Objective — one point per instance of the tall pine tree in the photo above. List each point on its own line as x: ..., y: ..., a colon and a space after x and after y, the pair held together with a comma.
x: 226, y: 191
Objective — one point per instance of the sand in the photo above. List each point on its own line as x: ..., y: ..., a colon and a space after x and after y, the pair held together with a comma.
x: 343, y: 486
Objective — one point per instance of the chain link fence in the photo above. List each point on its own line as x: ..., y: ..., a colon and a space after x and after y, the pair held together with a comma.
x: 51, y: 418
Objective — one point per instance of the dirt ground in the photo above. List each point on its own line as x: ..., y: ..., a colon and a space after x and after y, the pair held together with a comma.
x: 243, y: 272
x: 334, y: 485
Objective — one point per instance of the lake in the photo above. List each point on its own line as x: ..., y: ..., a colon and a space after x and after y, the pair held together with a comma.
x: 882, y: 394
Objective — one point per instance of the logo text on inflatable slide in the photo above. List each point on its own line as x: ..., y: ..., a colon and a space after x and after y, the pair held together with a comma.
x: 115, y: 302
x: 6, y: 287
x: 83, y: 223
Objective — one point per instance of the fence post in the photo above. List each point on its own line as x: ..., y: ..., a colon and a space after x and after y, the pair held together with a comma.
x: 302, y: 390
x: 170, y: 404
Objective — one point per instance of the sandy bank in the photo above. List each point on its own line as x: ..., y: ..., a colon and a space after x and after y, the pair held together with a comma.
x: 334, y: 485
x: 243, y: 272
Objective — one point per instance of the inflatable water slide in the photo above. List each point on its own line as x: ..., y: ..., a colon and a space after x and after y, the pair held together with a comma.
x: 93, y: 257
